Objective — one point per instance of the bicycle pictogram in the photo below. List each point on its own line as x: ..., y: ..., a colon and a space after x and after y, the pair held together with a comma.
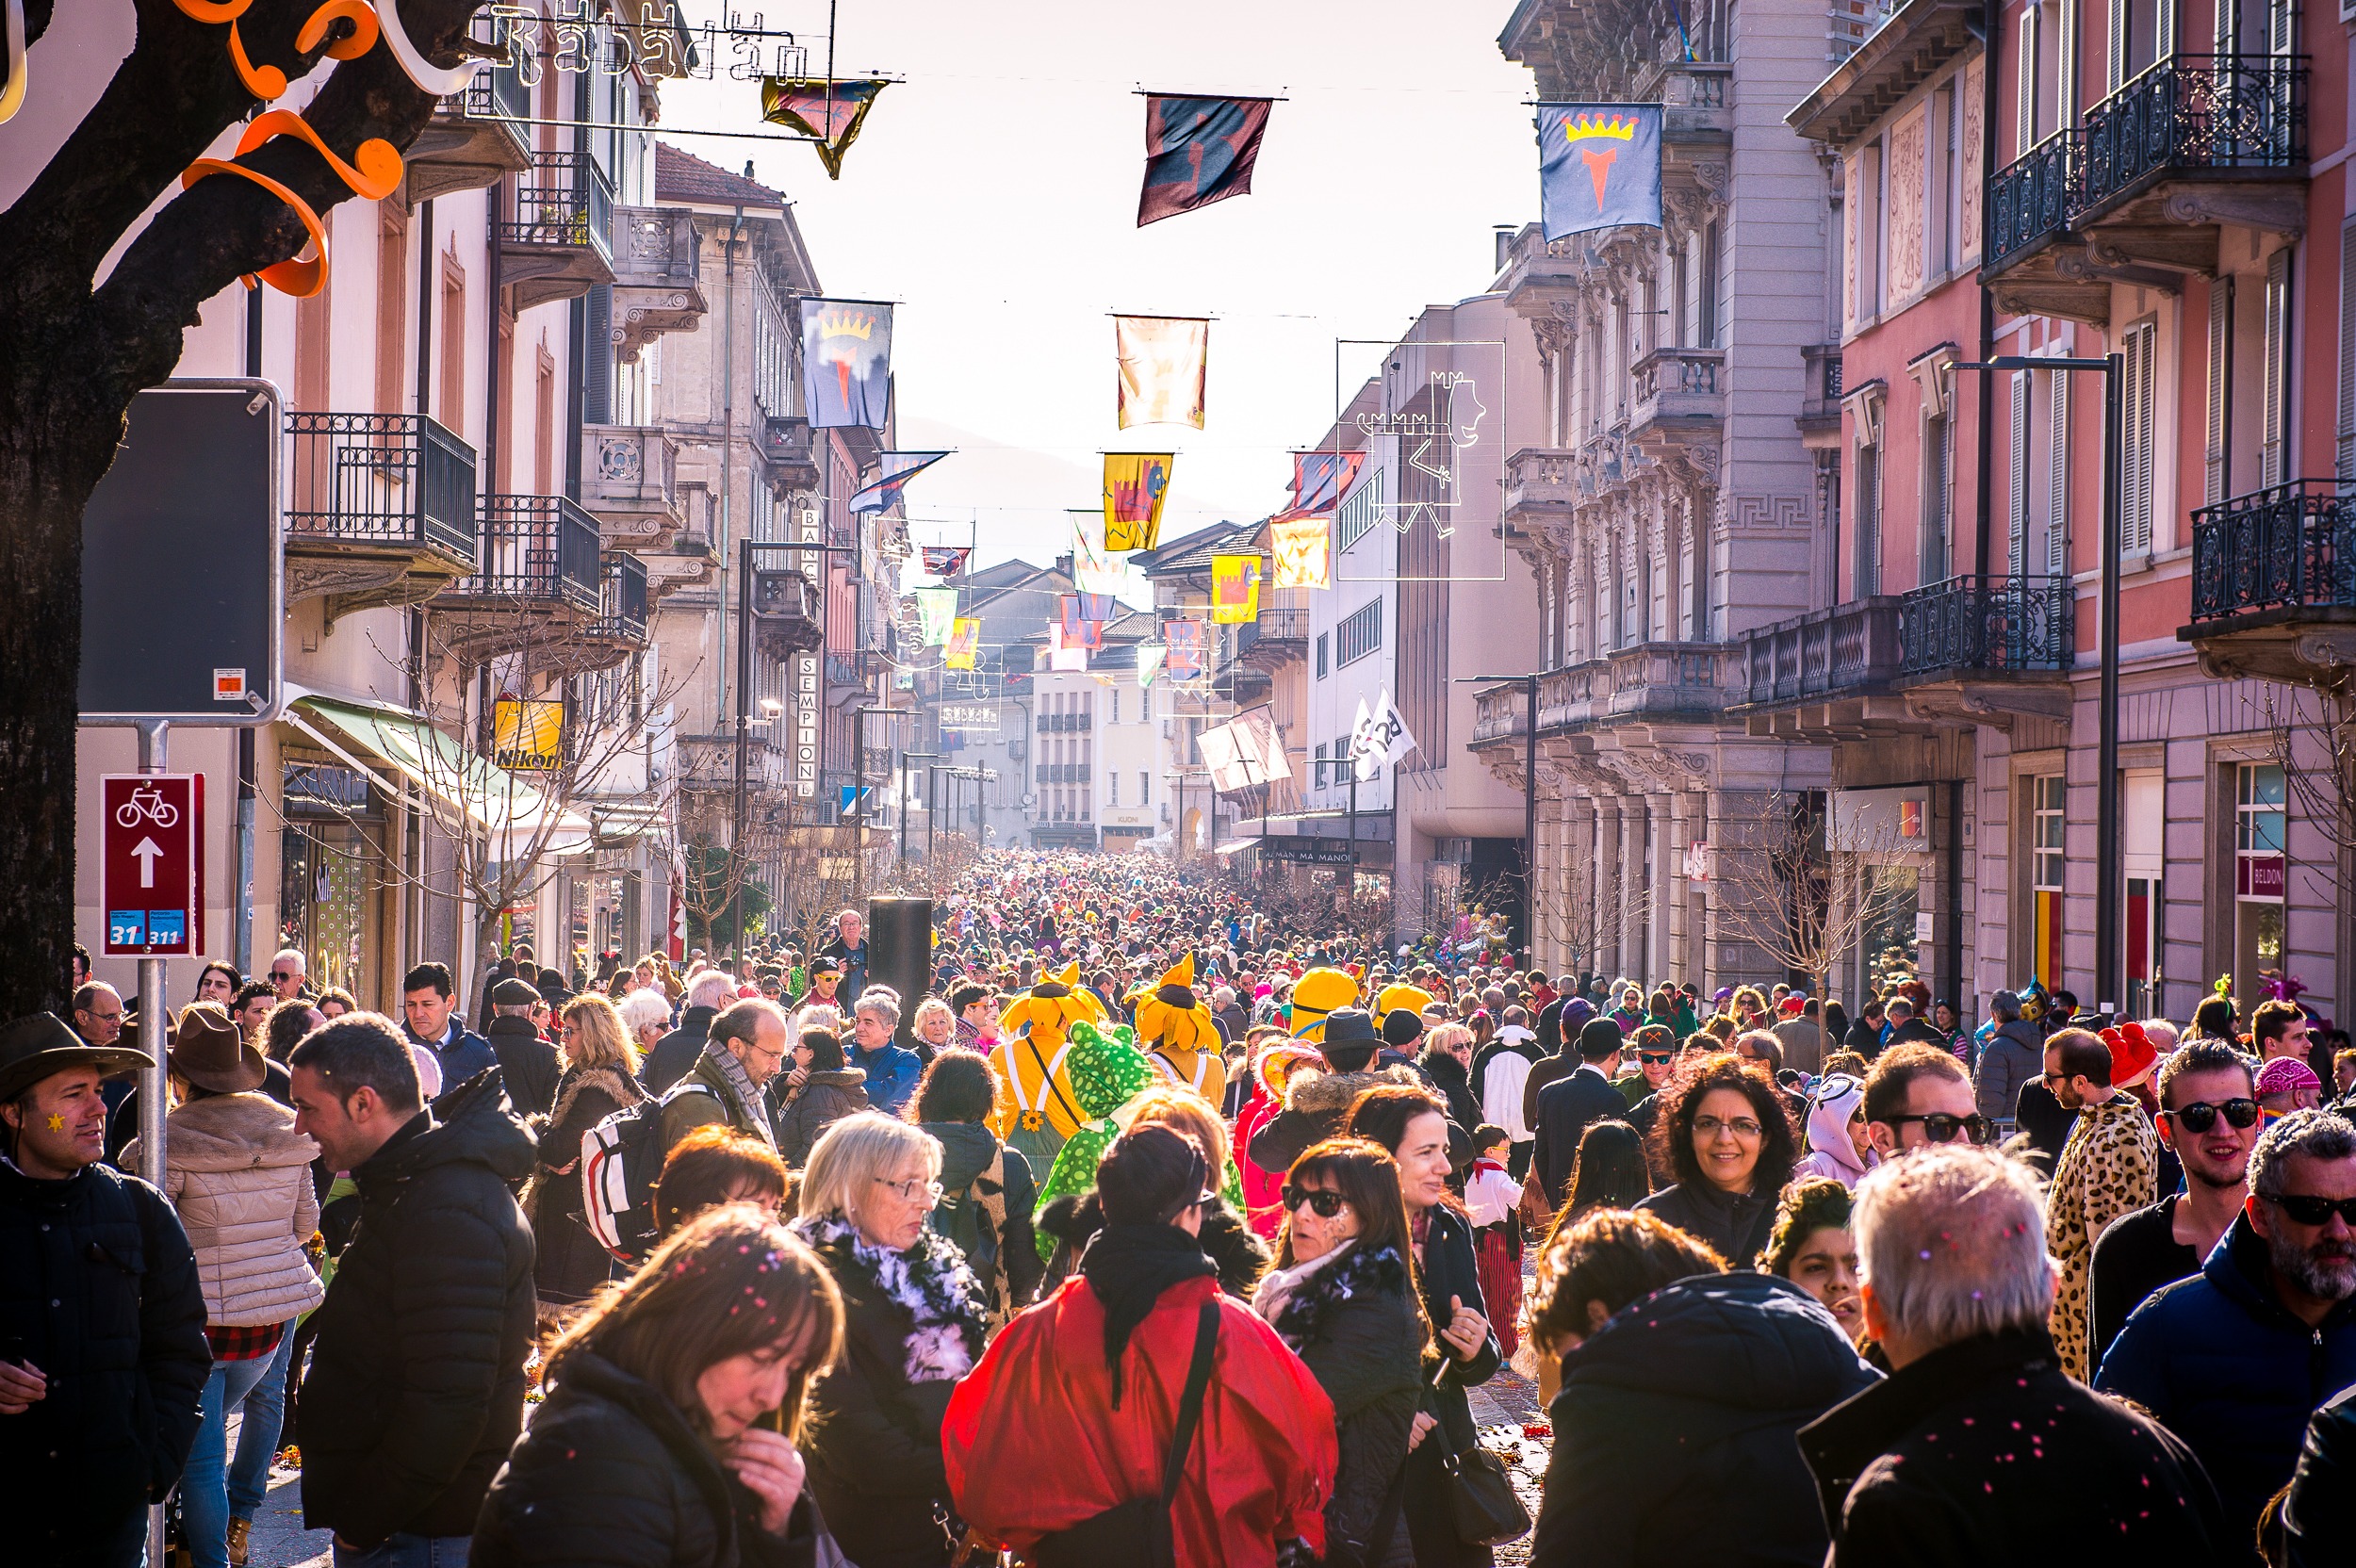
x: 146, y: 803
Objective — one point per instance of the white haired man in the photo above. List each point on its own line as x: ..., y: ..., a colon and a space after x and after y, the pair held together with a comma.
x: 1978, y: 1447
x: 707, y: 991
x: 891, y: 1071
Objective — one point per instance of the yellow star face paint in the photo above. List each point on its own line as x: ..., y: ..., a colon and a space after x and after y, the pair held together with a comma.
x: 57, y: 1123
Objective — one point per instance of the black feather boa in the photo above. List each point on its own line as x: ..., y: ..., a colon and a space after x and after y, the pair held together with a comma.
x: 1358, y: 1272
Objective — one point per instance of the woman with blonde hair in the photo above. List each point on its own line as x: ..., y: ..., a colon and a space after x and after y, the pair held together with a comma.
x: 599, y: 1077
x: 913, y: 1321
x: 689, y: 1376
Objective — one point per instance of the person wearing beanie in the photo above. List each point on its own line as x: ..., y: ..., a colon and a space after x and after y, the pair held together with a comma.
x: 1076, y: 1405
x: 528, y: 1063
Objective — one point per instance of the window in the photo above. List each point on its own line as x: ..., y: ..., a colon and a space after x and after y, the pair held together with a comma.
x: 1359, y: 511
x: 1321, y: 655
x: 2017, y: 497
x: 2049, y: 827
x: 1116, y: 712
x: 2261, y: 817
x: 1145, y: 787
x: 1359, y: 634
x: 2274, y: 426
x: 2057, y: 479
x: 1112, y: 790
x: 1867, y: 580
x: 1939, y: 489
x: 2219, y: 476
x: 2141, y: 346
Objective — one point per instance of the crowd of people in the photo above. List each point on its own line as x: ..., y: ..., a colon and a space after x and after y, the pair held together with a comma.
x: 1155, y: 1232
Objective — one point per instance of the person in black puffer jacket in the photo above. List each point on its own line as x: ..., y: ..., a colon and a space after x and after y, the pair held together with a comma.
x: 649, y: 1452
x: 819, y: 1090
x: 913, y: 1320
x: 1674, y: 1433
x: 1343, y: 1296
x: 1727, y: 1179
x: 416, y: 1389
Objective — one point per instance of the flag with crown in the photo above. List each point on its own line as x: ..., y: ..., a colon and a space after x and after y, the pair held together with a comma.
x: 846, y: 363
x: 1598, y: 167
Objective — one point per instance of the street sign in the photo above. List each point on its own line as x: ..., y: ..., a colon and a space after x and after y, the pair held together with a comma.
x: 152, y: 863
x: 853, y: 799
x: 183, y: 561
x: 1310, y: 852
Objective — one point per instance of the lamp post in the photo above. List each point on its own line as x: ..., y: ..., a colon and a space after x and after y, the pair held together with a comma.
x: 906, y: 757
x: 1530, y: 797
x: 858, y: 790
x: 2108, y: 867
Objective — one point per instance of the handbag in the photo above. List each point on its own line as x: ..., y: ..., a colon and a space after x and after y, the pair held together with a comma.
x: 1139, y: 1531
x: 1482, y: 1505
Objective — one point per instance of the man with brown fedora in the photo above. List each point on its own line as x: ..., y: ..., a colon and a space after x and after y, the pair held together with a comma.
x: 103, y: 1357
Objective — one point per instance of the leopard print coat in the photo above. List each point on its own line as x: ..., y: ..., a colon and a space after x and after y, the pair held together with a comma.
x: 2108, y: 1169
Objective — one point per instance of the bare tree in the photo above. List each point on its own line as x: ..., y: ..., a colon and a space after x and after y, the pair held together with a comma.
x: 1589, y: 912
x: 1787, y: 892
x: 723, y: 885
x: 2318, y: 775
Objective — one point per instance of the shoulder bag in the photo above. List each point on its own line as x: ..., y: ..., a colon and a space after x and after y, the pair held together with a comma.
x: 1139, y: 1531
x: 1481, y: 1502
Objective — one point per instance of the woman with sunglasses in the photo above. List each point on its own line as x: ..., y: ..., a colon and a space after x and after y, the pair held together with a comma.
x: 1342, y: 1293
x: 1723, y: 1132
x: 1838, y: 1144
x: 913, y: 1317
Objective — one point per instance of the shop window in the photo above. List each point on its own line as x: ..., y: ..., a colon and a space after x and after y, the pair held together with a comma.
x: 2261, y: 873
x: 2048, y: 830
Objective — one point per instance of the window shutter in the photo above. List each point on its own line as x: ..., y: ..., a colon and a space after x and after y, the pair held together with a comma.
x: 2115, y: 46
x: 2221, y: 384
x: 2066, y: 65
x: 2282, y: 28
x: 2024, y: 99
x: 2057, y: 478
x: 2346, y: 425
x: 2164, y: 30
x: 2017, y: 514
x: 2277, y: 356
x: 2135, y: 519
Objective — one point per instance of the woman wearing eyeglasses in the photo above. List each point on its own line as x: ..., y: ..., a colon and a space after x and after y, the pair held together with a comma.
x: 913, y: 1317
x: 1342, y: 1293
x: 1723, y: 1132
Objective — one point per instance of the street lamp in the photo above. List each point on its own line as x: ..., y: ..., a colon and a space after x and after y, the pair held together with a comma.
x: 2108, y: 868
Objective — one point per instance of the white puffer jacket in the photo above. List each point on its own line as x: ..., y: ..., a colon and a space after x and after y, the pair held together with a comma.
x: 241, y: 1176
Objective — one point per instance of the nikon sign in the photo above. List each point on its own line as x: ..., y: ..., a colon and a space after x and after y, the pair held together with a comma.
x: 528, y: 735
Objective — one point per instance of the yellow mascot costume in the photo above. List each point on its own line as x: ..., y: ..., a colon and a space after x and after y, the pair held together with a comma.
x: 1039, y: 1111
x: 1317, y: 995
x: 1179, y: 1036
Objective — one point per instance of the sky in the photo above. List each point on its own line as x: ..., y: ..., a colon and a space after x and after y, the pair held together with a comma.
x: 993, y: 191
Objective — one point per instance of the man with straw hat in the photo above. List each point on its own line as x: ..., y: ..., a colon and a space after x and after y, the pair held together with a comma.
x: 103, y: 1357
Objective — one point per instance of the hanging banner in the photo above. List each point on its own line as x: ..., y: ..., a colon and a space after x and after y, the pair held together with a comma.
x: 1380, y: 739
x: 1198, y: 150
x: 1235, y: 588
x: 896, y: 469
x: 1093, y: 570
x: 1163, y: 366
x: 946, y: 559
x: 1080, y: 629
x: 1136, y: 484
x: 1184, y: 643
x: 936, y: 614
x: 829, y: 113
x: 1245, y: 751
x: 1598, y: 167
x: 1069, y: 656
x: 965, y: 641
x: 1304, y: 553
x: 528, y: 735
x: 1149, y: 662
x: 846, y: 363
x: 1319, y: 482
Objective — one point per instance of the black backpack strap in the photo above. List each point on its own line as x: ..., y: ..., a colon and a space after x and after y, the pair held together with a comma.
x: 1190, y: 1403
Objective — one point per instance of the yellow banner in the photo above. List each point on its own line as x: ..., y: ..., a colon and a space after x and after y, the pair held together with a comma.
x: 965, y: 641
x: 1235, y: 588
x: 528, y: 735
x: 1136, y: 484
x: 1304, y: 555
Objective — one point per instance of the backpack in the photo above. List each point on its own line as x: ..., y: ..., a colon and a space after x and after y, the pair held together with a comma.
x: 976, y: 1219
x: 621, y: 1158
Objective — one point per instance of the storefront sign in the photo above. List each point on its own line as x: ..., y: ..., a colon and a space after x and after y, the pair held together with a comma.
x: 1310, y: 852
x: 1882, y: 822
x: 2261, y: 876
x: 527, y: 734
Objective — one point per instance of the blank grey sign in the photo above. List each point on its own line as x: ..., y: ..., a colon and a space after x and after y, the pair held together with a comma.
x: 182, y: 562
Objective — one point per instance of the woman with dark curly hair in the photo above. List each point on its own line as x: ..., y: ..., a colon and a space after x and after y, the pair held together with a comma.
x: 1811, y: 1247
x: 1723, y: 1134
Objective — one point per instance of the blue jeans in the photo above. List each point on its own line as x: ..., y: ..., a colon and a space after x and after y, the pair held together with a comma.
x: 410, y: 1551
x: 204, y: 1486
x: 257, y: 1437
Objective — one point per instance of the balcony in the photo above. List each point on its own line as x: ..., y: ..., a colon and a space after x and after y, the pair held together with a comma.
x: 1815, y: 676
x: 656, y: 284
x: 1539, y: 274
x: 2193, y: 142
x: 2274, y: 584
x: 1820, y: 398
x: 1981, y: 649
x: 631, y: 485
x: 1680, y: 400
x: 622, y: 603
x: 785, y: 615
x: 790, y: 451
x: 381, y: 510
x: 1641, y: 683
x: 476, y: 138
x: 557, y: 242
x: 1279, y: 637
x: 708, y: 762
x: 536, y: 584
x: 1541, y: 489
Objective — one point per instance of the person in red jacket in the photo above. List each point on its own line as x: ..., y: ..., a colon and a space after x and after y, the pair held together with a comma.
x: 1071, y: 1411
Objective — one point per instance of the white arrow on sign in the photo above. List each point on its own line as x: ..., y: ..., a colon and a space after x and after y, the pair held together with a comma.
x: 147, y: 855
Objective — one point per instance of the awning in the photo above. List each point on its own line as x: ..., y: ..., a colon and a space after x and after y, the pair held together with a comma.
x: 519, y: 819
x: 1233, y: 844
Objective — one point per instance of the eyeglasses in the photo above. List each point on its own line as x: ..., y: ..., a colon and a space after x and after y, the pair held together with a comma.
x: 1941, y: 1128
x: 911, y: 1188
x: 2308, y: 1209
x: 277, y: 978
x: 1324, y: 1200
x: 2201, y: 1116
x: 1655, y: 1059
x: 1710, y: 1127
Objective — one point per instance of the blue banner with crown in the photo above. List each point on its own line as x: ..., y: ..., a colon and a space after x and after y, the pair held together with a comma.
x: 1598, y: 167
x: 846, y: 363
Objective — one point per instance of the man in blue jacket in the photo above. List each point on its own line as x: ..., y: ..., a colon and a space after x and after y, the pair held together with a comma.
x: 891, y: 1071
x: 2235, y: 1360
x: 426, y: 995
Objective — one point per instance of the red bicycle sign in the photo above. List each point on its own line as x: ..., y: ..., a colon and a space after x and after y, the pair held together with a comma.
x: 153, y: 862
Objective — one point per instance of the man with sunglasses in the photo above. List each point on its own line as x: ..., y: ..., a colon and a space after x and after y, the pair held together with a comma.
x: 2110, y: 1169
x: 2209, y: 1120
x: 1917, y: 1095
x: 2236, y: 1360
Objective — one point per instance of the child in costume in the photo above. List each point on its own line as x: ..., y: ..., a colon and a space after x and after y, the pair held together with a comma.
x: 1179, y: 1034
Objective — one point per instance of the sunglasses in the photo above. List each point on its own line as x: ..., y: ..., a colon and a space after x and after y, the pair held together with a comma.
x: 278, y: 979
x: 1323, y: 1200
x: 1655, y: 1059
x: 2307, y: 1209
x: 1941, y: 1128
x: 2201, y: 1116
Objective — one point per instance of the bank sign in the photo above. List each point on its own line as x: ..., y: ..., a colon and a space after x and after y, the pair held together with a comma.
x: 970, y: 718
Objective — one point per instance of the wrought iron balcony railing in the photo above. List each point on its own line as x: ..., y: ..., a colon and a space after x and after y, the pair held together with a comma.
x: 536, y: 549
x: 2196, y: 112
x: 563, y: 203
x: 2291, y: 547
x: 2013, y: 625
x: 622, y: 608
x: 380, y: 478
x: 2032, y: 198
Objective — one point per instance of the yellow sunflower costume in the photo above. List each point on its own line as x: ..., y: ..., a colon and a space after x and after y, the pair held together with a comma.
x: 1179, y: 1036
x: 1318, y: 994
x: 1040, y: 1110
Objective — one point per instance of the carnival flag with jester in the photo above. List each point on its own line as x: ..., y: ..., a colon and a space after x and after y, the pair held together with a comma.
x: 1032, y: 1057
x: 1598, y: 167
x: 846, y: 356
x: 1179, y: 1034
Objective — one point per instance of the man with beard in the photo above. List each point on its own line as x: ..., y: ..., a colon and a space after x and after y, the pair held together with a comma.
x: 2236, y: 1360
